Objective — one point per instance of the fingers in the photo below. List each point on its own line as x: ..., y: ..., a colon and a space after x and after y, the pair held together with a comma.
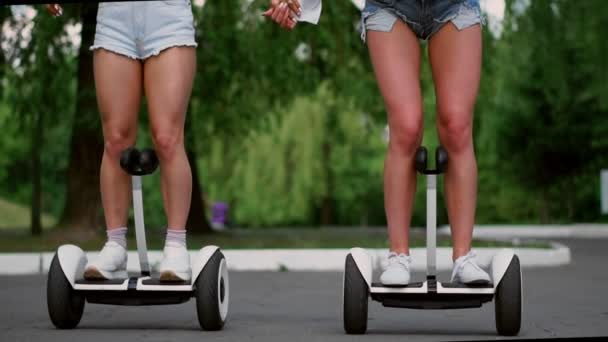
x: 294, y: 6
x: 276, y: 13
x: 273, y: 5
x: 289, y: 23
x: 54, y: 9
x: 50, y: 9
x: 292, y: 24
x: 285, y: 18
x: 282, y: 12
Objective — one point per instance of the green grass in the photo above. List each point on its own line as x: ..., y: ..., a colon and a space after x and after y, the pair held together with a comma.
x: 242, y: 239
x: 17, y: 217
x: 15, y: 220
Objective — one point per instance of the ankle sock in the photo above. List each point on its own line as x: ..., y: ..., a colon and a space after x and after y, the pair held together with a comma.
x: 118, y: 235
x: 177, y: 236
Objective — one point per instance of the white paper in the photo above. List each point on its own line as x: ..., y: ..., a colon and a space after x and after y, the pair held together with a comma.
x: 311, y: 11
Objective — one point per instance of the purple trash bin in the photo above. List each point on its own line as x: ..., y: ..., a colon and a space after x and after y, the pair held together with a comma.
x: 219, y: 215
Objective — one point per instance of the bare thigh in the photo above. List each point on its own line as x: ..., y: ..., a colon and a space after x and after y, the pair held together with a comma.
x: 168, y: 84
x: 395, y: 57
x: 118, y: 83
x: 456, y: 65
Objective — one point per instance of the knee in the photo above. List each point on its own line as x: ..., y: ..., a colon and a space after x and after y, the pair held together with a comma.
x: 405, y: 133
x: 116, y: 142
x: 456, y: 129
x: 167, y: 143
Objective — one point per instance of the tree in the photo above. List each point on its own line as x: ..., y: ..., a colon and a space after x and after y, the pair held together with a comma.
x: 5, y: 13
x: 551, y: 105
x: 33, y: 90
x: 83, y: 202
x: 197, y: 222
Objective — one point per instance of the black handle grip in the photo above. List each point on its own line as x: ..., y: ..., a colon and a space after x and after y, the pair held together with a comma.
x: 138, y: 163
x: 421, y: 161
x: 441, y: 159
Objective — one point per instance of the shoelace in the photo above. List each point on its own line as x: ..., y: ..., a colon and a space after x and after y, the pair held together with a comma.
x: 402, y: 259
x: 109, y: 245
x: 469, y: 259
x: 107, y: 252
x: 173, y: 250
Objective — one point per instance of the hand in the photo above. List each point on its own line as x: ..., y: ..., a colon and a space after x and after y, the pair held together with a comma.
x: 284, y: 12
x: 54, y: 9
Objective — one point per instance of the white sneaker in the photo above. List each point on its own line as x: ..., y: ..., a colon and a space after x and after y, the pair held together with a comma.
x: 111, y: 263
x: 397, y: 270
x: 175, y: 265
x: 466, y: 271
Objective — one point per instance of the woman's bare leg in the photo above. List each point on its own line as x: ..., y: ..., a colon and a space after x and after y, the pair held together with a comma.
x: 456, y: 64
x: 168, y: 84
x: 118, y: 82
x: 395, y: 57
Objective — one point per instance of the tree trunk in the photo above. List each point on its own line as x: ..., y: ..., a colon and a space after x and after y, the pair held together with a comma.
x: 327, y: 210
x: 5, y: 12
x: 197, y: 217
x: 570, y: 188
x: 83, y: 200
x: 36, y: 200
x: 544, y: 207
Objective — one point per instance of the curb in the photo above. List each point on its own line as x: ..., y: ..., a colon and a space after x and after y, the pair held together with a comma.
x: 299, y: 259
x: 582, y: 231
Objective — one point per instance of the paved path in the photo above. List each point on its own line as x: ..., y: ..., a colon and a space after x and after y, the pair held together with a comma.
x: 562, y: 301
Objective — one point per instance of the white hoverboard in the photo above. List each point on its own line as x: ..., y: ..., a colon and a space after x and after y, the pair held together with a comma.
x: 505, y: 287
x: 67, y: 289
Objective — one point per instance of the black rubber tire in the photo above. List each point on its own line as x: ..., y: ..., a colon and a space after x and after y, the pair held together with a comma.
x: 207, y: 300
x: 508, y: 301
x: 64, y: 305
x: 356, y: 293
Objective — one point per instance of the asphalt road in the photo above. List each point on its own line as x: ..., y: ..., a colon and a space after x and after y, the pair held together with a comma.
x: 305, y: 306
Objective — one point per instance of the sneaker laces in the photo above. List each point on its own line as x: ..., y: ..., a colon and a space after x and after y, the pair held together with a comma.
x: 106, y: 254
x: 174, y: 250
x: 468, y: 259
x: 394, y: 258
x: 108, y: 246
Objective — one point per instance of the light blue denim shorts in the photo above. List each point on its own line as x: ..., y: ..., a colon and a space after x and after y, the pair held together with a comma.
x: 141, y: 29
x: 424, y: 17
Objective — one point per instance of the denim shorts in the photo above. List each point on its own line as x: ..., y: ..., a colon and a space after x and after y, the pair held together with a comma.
x: 423, y: 17
x: 143, y: 29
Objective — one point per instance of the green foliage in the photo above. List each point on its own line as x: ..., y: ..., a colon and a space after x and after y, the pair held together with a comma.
x: 551, y: 129
x: 278, y: 173
x: 40, y: 88
x: 279, y: 133
x: 17, y: 217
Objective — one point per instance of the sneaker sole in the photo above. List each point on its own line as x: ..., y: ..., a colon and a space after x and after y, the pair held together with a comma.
x: 170, y: 276
x: 395, y: 284
x: 92, y: 273
x: 479, y: 282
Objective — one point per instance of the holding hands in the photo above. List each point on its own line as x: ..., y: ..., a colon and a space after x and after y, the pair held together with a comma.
x: 284, y: 12
x: 54, y: 9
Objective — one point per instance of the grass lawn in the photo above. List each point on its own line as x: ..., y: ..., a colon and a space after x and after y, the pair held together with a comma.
x: 14, y: 215
x: 15, y: 237
x: 241, y: 239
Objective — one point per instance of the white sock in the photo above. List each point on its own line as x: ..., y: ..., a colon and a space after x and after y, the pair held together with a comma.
x: 177, y: 236
x: 118, y: 235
